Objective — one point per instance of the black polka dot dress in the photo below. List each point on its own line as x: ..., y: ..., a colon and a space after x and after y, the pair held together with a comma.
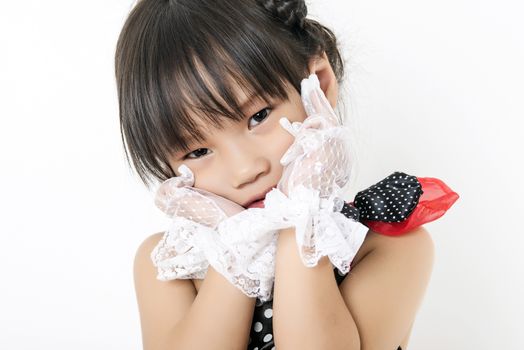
x: 390, y: 207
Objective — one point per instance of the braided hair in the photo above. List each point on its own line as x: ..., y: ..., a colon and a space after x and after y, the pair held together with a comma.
x: 293, y: 13
x: 317, y: 38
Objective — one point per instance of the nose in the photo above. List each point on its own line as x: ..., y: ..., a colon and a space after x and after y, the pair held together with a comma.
x: 246, y: 164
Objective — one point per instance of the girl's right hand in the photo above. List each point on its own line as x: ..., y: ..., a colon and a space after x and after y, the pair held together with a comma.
x: 208, y: 229
x: 177, y: 197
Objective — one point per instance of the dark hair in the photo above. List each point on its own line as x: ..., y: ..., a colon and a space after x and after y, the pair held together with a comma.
x: 174, y: 57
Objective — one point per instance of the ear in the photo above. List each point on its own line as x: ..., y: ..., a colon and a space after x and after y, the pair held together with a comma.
x: 328, y: 81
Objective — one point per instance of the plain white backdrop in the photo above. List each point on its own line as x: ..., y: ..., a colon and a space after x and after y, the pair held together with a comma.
x: 434, y: 89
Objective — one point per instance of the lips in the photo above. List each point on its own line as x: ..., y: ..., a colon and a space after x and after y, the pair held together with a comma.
x: 257, y: 204
x: 258, y: 201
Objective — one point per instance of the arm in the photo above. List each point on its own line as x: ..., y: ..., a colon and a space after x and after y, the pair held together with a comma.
x: 383, y: 292
x: 308, y: 309
x: 386, y: 285
x: 380, y: 301
x: 173, y: 316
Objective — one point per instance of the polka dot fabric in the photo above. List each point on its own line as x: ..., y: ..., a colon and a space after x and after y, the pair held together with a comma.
x: 261, y: 334
x: 350, y: 211
x: 390, y: 200
x: 400, y: 203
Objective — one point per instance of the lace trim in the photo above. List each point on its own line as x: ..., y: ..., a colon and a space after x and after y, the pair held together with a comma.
x: 319, y: 230
x: 242, y: 249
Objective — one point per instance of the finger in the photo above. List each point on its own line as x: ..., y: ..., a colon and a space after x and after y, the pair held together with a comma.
x: 194, y: 204
x: 293, y: 129
x: 317, y: 122
x: 187, y: 178
x: 294, y: 151
x: 202, y: 207
x: 315, y: 101
x: 171, y: 189
x: 226, y: 206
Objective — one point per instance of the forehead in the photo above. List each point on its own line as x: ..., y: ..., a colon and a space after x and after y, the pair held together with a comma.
x: 207, y: 98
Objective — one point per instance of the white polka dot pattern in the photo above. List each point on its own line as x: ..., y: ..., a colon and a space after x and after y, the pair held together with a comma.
x: 390, y: 200
x: 261, y: 334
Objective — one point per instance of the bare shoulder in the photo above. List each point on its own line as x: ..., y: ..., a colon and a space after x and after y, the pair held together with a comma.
x: 417, y: 241
x: 149, y: 243
x: 161, y: 304
x: 143, y: 265
x: 418, y: 236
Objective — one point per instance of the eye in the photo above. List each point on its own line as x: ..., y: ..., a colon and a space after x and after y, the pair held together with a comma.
x: 261, y: 115
x: 197, y: 151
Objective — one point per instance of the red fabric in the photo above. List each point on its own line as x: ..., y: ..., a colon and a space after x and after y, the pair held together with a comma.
x: 435, y: 200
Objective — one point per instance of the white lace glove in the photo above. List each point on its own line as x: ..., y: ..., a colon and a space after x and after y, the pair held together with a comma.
x: 208, y: 229
x: 316, y: 168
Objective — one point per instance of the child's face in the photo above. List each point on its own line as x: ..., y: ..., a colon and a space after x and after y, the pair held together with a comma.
x: 242, y: 161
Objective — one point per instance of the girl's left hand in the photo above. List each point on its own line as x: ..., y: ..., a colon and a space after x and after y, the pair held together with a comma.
x: 319, y: 158
x: 308, y: 195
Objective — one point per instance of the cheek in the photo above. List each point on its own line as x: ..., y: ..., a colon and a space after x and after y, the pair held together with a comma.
x: 207, y: 178
x: 281, y: 139
x: 278, y: 144
x: 296, y: 109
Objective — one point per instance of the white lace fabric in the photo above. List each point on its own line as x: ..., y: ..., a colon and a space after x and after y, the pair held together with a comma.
x: 317, y: 168
x: 187, y: 250
x: 207, y: 229
x: 241, y: 244
x: 319, y: 230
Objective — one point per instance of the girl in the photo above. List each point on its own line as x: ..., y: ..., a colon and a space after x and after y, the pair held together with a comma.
x: 229, y: 104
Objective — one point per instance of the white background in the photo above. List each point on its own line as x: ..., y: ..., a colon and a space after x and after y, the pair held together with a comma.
x: 435, y: 89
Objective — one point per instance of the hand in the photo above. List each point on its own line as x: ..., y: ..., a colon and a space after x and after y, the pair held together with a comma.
x: 319, y: 157
x: 208, y: 229
x: 177, y: 197
x: 316, y: 168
